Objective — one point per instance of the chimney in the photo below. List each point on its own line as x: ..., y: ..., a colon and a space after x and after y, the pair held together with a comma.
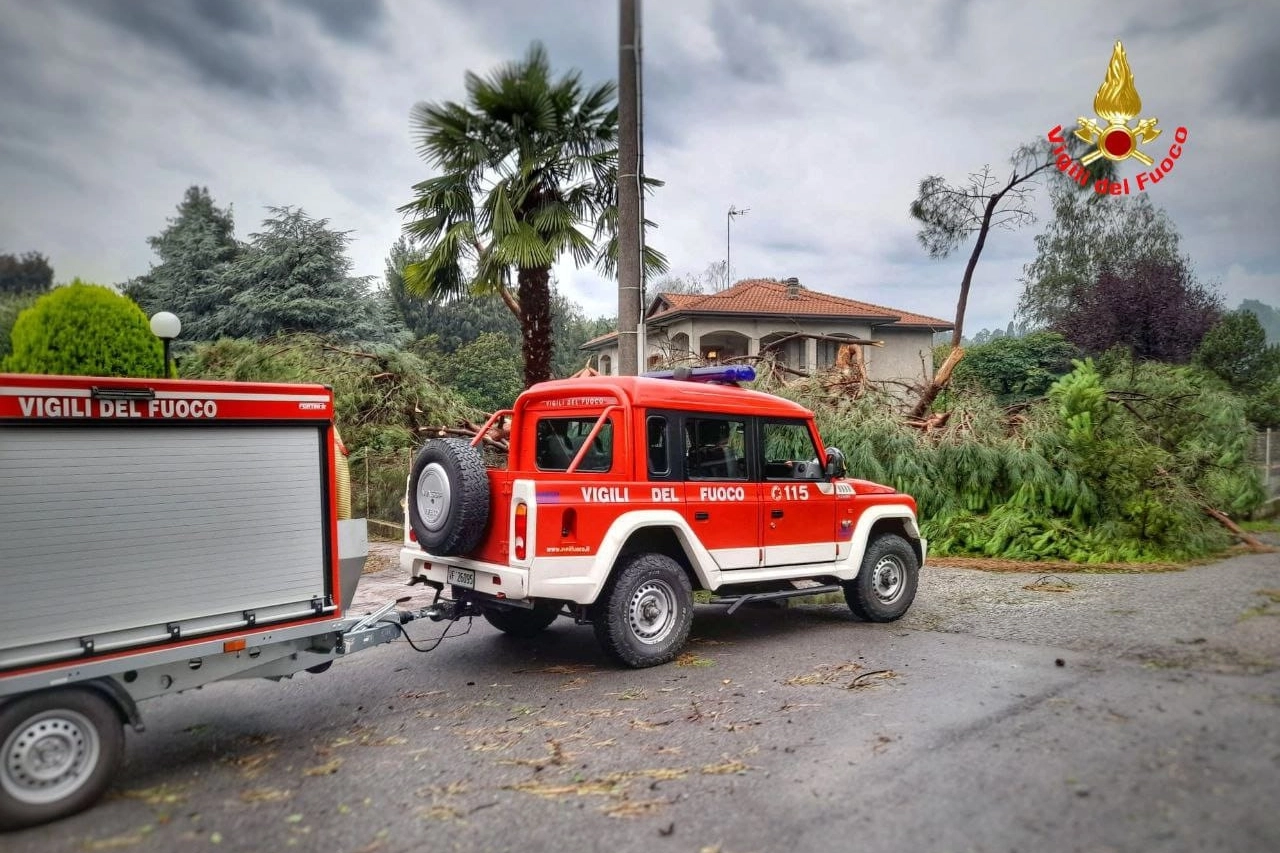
x: 793, y: 287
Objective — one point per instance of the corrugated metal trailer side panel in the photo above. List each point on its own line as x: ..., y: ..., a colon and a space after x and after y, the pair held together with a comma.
x: 116, y: 536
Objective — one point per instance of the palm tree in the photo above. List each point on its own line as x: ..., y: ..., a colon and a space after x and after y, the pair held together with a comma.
x: 522, y: 166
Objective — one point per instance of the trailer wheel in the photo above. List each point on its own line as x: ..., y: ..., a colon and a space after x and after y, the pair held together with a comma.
x: 448, y: 497
x: 59, y: 750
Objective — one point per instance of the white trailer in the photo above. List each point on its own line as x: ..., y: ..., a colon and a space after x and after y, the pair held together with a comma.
x: 155, y: 536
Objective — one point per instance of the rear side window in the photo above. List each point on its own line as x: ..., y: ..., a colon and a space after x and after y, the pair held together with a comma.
x: 714, y: 449
x: 656, y: 441
x: 559, y: 439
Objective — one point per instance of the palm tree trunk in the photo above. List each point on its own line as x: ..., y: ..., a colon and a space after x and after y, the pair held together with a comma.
x: 535, y: 323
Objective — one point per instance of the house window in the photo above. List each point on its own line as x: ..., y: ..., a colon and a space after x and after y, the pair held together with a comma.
x: 606, y: 365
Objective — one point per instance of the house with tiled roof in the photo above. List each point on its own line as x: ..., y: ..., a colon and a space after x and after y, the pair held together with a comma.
x: 758, y: 315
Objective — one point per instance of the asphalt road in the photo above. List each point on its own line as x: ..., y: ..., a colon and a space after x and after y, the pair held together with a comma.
x: 1121, y: 713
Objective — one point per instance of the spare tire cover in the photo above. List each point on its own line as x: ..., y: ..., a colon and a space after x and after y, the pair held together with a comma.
x: 448, y: 497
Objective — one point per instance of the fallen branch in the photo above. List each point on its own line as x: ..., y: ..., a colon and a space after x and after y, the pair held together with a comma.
x: 354, y: 353
x: 1253, y: 542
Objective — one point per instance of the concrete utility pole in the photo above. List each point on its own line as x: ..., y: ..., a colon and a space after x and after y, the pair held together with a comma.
x: 630, y: 237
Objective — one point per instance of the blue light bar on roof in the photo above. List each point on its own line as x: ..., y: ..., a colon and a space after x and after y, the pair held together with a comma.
x: 723, y: 373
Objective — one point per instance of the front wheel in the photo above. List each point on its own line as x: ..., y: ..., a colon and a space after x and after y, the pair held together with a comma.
x: 522, y: 623
x: 886, y: 582
x: 645, y: 611
x: 58, y: 752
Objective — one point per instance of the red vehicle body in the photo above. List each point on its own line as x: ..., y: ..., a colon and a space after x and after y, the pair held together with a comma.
x: 706, y: 484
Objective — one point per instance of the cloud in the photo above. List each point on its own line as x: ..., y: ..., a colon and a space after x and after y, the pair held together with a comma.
x: 224, y: 42
x: 1251, y: 83
x: 358, y: 20
x: 820, y: 117
x: 758, y: 38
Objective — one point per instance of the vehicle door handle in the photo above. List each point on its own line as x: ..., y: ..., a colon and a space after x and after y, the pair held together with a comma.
x: 775, y: 513
x: 701, y: 516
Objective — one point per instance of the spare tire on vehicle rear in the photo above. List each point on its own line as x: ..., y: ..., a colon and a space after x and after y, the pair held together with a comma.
x: 448, y: 497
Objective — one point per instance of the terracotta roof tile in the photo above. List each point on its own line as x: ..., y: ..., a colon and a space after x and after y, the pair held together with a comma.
x: 769, y: 297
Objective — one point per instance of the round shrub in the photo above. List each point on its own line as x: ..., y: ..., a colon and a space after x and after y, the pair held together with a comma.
x: 84, y: 329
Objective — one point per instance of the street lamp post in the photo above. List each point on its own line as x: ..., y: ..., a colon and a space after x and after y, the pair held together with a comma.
x: 166, y: 327
x: 728, y: 221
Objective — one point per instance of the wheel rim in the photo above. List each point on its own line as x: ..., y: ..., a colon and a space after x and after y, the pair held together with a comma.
x: 888, y: 579
x: 48, y: 757
x: 433, y: 496
x: 652, y: 612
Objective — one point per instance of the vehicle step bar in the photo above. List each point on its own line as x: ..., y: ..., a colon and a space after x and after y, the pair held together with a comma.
x: 736, y: 601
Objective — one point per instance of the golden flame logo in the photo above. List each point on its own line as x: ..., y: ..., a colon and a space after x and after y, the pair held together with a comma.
x: 1117, y: 101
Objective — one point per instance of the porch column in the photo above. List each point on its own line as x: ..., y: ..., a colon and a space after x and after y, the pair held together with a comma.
x: 810, y: 355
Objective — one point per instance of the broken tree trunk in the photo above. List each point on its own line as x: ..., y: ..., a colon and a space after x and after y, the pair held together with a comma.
x: 940, y: 380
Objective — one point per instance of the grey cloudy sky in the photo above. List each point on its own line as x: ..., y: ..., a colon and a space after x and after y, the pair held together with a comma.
x: 820, y: 116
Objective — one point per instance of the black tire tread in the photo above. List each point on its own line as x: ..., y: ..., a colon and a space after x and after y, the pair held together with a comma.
x: 469, y: 510
x: 105, y: 718
x: 610, y: 620
x: 858, y: 593
x: 520, y: 622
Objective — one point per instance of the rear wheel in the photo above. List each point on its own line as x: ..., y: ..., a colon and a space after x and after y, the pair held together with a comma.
x: 645, y: 611
x: 519, y: 622
x: 886, y: 582
x: 58, y: 752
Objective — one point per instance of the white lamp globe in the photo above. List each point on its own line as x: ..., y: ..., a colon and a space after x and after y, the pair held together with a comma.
x: 165, y: 325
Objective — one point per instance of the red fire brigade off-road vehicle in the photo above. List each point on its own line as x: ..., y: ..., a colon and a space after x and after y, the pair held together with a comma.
x: 621, y: 496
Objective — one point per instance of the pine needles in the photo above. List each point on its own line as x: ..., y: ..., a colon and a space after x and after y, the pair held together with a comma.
x: 1103, y: 470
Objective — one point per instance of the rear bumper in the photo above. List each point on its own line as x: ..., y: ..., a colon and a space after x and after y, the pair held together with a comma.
x: 490, y: 578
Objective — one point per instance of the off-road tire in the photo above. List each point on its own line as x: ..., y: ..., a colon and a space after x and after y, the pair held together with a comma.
x: 886, y: 582
x: 645, y: 611
x: 61, y: 749
x: 448, y: 497
x: 522, y: 623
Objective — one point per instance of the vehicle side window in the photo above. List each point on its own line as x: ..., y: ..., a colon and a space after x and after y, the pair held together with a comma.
x: 656, y: 440
x: 789, y: 452
x: 558, y: 440
x: 714, y: 449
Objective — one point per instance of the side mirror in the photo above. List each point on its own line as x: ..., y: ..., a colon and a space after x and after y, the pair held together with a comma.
x: 835, y: 463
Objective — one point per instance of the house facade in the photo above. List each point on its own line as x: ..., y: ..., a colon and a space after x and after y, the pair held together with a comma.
x: 766, y: 315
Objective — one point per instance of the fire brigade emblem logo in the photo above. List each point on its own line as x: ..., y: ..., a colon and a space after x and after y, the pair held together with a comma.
x: 1117, y: 102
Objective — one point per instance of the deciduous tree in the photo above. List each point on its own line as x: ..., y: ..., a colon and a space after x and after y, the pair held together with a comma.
x: 29, y: 273
x: 1087, y: 231
x: 1155, y: 310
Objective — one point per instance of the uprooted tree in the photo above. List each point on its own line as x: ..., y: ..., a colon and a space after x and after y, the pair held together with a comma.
x: 949, y: 214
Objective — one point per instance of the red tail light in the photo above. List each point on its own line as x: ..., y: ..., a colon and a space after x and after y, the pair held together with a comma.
x: 522, y: 530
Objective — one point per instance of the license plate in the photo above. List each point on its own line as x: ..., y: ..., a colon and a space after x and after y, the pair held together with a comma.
x: 462, y: 577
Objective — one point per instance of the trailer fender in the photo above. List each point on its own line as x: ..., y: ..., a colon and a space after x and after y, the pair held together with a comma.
x: 124, y: 704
